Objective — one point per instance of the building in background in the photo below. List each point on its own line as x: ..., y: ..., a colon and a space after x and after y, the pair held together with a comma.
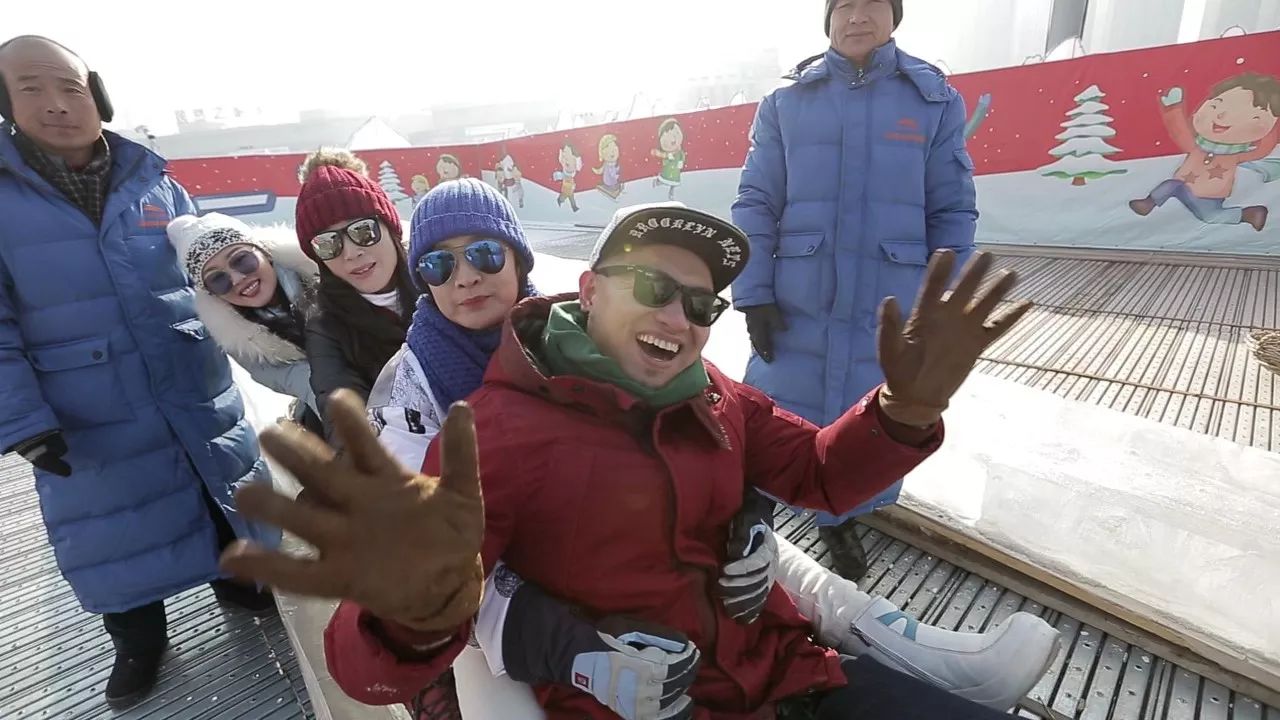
x: 309, y: 132
x: 973, y: 35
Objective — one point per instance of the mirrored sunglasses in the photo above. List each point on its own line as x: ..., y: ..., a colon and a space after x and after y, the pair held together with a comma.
x: 488, y: 256
x: 363, y: 232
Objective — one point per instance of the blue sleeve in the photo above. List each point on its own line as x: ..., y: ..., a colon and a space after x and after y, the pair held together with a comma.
x: 23, y: 411
x: 951, y: 203
x: 292, y: 379
x: 762, y: 193
x: 182, y: 202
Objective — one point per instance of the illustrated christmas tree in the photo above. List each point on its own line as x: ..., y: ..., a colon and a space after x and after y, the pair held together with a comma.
x: 1082, y: 156
x: 390, y: 182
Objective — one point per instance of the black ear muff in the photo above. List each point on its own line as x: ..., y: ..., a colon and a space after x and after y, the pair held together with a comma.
x: 99, y: 92
x: 100, y: 97
x: 6, y: 106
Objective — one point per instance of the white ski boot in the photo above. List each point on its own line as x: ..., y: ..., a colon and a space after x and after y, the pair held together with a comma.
x: 996, y: 668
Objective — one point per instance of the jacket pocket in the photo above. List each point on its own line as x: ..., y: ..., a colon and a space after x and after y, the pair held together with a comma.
x: 207, y: 371
x: 797, y: 272
x: 964, y: 158
x: 80, y: 383
x: 902, y: 270
x: 905, y: 252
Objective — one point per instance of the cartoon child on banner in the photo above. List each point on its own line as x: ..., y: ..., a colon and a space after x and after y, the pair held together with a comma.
x: 671, y: 152
x: 510, y: 180
x: 420, y: 186
x: 570, y: 164
x: 1236, y: 125
x: 610, y: 171
x: 448, y: 167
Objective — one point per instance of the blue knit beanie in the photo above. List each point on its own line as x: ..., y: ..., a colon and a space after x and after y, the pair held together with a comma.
x: 465, y: 207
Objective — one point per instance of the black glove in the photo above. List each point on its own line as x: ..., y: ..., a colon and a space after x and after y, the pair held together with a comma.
x: 45, y: 452
x: 639, y: 670
x: 748, y: 577
x: 763, y: 322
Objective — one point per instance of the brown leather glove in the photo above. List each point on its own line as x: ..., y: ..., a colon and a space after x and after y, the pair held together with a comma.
x: 404, y: 546
x: 927, y: 361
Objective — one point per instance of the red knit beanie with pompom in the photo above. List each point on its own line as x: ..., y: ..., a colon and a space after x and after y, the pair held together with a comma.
x: 334, y: 190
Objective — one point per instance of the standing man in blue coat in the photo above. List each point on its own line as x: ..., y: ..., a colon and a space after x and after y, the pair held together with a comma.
x: 857, y: 172
x: 109, y: 384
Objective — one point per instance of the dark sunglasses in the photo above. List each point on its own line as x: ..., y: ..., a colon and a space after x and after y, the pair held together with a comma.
x: 488, y: 256
x: 219, y: 282
x: 655, y: 289
x: 363, y: 232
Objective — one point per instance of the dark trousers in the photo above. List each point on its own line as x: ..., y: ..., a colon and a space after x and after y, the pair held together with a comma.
x: 876, y: 692
x: 145, y: 630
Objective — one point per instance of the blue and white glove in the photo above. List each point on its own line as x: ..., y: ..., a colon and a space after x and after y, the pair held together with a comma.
x: 639, y: 670
x: 1173, y: 97
x: 748, y: 577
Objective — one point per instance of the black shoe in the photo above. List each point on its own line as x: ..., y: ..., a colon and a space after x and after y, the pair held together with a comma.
x: 132, y: 677
x: 848, y: 558
x: 259, y: 603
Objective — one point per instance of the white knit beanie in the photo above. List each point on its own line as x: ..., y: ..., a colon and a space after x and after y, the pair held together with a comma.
x: 196, y: 239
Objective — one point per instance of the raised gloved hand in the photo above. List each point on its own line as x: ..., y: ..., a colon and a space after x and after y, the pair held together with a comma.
x: 366, y: 509
x: 639, y: 670
x: 45, y: 452
x: 763, y: 322
x: 927, y: 361
x: 1173, y: 97
x: 753, y: 559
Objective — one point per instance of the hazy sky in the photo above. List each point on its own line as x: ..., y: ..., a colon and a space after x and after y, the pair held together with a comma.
x: 377, y: 56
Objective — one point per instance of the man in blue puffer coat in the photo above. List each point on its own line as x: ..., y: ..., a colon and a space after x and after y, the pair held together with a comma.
x: 109, y: 385
x: 857, y: 172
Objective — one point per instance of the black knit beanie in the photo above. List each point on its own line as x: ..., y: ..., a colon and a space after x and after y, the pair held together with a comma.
x: 831, y: 6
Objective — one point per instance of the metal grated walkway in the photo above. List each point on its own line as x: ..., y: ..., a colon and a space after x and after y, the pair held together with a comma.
x: 1163, y: 342
x: 55, y: 658
x: 1096, y: 677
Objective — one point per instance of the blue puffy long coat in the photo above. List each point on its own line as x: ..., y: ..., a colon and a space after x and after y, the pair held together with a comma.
x: 853, y: 178
x: 99, y: 338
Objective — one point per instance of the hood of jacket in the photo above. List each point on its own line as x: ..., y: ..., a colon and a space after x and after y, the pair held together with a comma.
x: 245, y: 340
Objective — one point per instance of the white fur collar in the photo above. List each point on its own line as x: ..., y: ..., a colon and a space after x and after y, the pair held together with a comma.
x: 244, y: 340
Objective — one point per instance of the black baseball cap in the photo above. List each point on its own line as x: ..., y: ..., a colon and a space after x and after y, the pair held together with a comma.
x: 720, y: 244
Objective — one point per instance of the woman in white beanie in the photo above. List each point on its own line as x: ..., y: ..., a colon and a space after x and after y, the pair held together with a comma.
x: 254, y: 292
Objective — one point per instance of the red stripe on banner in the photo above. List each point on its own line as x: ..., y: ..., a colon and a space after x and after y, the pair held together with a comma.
x: 1028, y: 105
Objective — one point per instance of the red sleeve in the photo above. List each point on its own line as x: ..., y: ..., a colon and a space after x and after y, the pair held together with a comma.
x: 1179, y: 127
x: 358, y: 655
x: 835, y: 468
x: 363, y: 665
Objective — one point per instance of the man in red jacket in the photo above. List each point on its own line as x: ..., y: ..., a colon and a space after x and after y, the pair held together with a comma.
x: 614, y: 460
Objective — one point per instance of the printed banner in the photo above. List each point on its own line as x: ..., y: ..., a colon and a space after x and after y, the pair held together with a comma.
x: 1169, y: 148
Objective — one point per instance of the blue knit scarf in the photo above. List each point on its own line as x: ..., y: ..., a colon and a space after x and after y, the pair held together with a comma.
x: 452, y: 357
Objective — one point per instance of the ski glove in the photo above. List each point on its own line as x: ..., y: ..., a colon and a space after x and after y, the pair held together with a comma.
x: 45, y: 452
x: 1173, y: 97
x: 748, y: 578
x: 365, y: 510
x: 763, y: 322
x: 639, y: 670
x: 926, y: 361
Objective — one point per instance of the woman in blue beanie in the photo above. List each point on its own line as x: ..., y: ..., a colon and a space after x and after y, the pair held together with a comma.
x: 471, y: 262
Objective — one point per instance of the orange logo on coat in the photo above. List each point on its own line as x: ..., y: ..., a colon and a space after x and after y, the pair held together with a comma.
x: 154, y: 216
x: 908, y: 130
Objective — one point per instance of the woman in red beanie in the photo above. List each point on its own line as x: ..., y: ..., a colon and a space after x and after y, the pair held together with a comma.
x: 348, y: 225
